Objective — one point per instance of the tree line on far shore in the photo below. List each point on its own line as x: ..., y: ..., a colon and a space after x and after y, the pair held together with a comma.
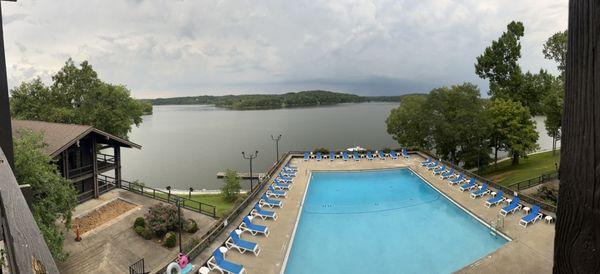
x: 464, y: 128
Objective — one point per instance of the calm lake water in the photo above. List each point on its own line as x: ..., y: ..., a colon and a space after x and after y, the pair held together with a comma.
x: 185, y: 146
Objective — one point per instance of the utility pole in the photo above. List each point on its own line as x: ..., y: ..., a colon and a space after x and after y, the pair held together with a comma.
x: 250, y: 157
x: 276, y: 139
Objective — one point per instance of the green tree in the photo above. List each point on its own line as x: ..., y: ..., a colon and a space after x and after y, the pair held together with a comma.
x: 513, y: 129
x: 553, y: 109
x: 53, y: 196
x: 78, y: 96
x: 231, y: 188
x: 408, y: 123
x: 499, y: 63
x: 534, y: 88
x: 555, y: 49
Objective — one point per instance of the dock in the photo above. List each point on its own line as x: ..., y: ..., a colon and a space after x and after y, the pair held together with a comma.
x: 243, y: 175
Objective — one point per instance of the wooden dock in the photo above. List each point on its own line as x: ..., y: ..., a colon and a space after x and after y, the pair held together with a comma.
x: 243, y: 175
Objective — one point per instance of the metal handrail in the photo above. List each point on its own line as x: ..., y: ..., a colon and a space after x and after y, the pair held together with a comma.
x: 531, y: 182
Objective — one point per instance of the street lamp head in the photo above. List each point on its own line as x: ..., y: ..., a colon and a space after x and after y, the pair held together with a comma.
x: 243, y: 153
x: 256, y: 153
x: 168, y: 187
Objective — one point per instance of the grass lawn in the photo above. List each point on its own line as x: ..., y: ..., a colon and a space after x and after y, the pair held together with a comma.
x: 213, y: 199
x: 533, y: 166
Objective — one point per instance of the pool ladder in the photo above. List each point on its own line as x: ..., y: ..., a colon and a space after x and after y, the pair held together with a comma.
x: 497, y: 224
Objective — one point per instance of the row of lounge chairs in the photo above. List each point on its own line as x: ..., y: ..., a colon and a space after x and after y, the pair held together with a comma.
x: 356, y: 156
x: 278, y: 189
x: 477, y: 190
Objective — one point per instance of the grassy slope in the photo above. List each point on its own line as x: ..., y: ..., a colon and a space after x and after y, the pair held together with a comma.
x: 533, y: 166
x: 212, y: 199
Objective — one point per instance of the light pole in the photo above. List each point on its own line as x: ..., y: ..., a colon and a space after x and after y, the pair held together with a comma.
x: 276, y: 139
x: 178, y: 202
x: 250, y: 157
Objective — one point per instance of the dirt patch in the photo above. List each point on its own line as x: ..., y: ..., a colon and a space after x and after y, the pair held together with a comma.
x: 101, y: 215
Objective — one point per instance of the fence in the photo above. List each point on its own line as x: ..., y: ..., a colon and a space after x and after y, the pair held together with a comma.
x: 525, y: 184
x: 507, y: 190
x: 208, y: 238
x: 163, y: 196
x: 137, y: 267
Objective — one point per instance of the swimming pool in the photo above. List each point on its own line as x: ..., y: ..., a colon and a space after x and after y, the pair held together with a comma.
x: 386, y: 221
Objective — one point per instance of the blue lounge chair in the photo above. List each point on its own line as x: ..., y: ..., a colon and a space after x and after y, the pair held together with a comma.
x: 290, y: 167
x: 429, y: 161
x: 447, y: 174
x: 533, y: 216
x: 495, y: 200
x: 405, y: 153
x: 282, y: 181
x: 254, y: 229
x: 480, y: 192
x: 242, y: 246
x: 381, y: 155
x: 433, y: 165
x: 457, y: 180
x: 272, y: 192
x: 512, y: 207
x: 394, y: 155
x: 282, y: 173
x: 469, y: 185
x: 263, y: 214
x: 356, y: 156
x: 280, y: 186
x: 265, y: 200
x: 331, y: 156
x: 369, y: 155
x: 439, y: 170
x: 217, y: 262
x: 319, y: 156
x: 345, y: 156
x: 285, y: 180
x: 306, y: 156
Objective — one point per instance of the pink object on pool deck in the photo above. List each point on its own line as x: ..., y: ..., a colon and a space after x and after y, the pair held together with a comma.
x: 182, y: 260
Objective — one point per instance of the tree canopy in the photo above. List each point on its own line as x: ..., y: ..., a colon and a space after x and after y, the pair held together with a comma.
x: 555, y: 49
x: 53, y: 196
x: 78, y: 96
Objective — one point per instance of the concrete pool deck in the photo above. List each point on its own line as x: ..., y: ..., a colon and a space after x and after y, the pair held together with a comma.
x: 530, y: 251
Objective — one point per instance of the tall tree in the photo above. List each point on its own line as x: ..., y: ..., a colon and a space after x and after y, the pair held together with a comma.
x: 53, y: 196
x: 408, y: 123
x: 555, y: 49
x: 78, y: 96
x: 499, y: 63
x: 513, y: 129
x: 577, y: 240
x: 553, y: 105
x: 534, y: 88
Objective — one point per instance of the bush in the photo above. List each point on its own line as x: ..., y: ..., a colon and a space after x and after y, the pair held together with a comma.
x: 147, y: 233
x: 170, y: 239
x: 139, y: 230
x: 139, y: 221
x: 190, y: 245
x: 190, y: 226
x: 162, y: 218
x: 322, y: 150
x: 231, y: 188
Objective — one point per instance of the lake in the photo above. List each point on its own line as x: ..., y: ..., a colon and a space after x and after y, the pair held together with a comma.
x: 186, y: 145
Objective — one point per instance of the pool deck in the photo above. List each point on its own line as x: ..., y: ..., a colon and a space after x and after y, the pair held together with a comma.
x: 530, y: 251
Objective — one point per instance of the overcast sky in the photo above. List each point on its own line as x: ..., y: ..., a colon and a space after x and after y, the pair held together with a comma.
x: 163, y: 48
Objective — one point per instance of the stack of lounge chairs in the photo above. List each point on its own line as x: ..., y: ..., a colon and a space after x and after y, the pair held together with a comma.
x: 370, y: 155
x: 278, y: 189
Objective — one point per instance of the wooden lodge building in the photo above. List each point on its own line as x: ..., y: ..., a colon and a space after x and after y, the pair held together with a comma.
x: 82, y: 154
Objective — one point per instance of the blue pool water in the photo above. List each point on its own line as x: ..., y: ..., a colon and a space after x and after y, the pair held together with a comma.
x: 386, y: 221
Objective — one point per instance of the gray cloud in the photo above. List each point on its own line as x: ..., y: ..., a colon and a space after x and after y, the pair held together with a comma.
x: 172, y: 48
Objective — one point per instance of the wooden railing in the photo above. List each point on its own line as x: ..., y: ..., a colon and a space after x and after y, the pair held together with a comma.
x: 209, y: 237
x: 26, y: 250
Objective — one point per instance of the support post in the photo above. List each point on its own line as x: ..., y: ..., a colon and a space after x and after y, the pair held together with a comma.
x: 577, y: 240
x: 6, y: 141
x: 95, y: 166
x: 117, y: 154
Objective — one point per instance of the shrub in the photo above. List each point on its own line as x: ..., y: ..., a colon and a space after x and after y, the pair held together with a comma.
x: 147, y: 233
x: 322, y: 150
x: 193, y: 242
x: 139, y: 221
x: 139, y: 230
x: 231, y: 188
x: 190, y: 226
x: 162, y: 218
x: 170, y: 239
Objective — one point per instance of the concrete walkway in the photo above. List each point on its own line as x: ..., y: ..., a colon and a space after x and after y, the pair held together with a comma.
x: 530, y: 251
x: 114, y: 246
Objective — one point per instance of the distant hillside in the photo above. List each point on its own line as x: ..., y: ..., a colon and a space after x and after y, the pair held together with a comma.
x: 274, y: 101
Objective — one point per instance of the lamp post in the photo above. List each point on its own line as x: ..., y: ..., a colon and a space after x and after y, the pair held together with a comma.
x: 250, y: 157
x: 178, y: 202
x: 168, y: 195
x: 276, y: 139
x: 190, y: 194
